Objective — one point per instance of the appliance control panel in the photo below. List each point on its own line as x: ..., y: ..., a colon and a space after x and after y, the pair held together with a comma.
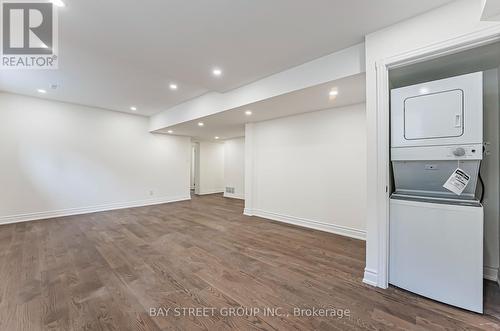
x: 463, y: 151
x: 449, y: 152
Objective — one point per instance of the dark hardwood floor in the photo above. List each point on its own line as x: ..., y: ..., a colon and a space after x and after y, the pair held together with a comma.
x: 105, y: 271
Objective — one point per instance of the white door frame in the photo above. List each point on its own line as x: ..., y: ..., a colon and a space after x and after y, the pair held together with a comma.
x: 450, y: 46
x: 197, y: 168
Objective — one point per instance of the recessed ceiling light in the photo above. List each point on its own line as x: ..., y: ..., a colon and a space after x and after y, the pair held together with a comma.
x: 201, y: 124
x: 59, y: 3
x: 248, y: 112
x: 41, y: 91
x: 216, y: 137
x: 333, y: 93
x: 173, y: 86
x: 170, y: 131
x: 133, y: 108
x: 217, y: 72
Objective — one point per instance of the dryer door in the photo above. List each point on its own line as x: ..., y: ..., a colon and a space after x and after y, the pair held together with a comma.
x: 436, y: 115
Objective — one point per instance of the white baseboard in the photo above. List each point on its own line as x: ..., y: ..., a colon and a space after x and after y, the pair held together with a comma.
x: 86, y: 210
x: 490, y: 273
x: 248, y: 212
x: 327, y: 227
x: 234, y: 196
x: 211, y: 191
x: 370, y: 277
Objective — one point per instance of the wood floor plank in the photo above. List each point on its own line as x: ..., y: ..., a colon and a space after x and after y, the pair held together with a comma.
x: 106, y: 271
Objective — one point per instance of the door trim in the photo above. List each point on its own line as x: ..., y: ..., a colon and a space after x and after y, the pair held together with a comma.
x: 454, y: 45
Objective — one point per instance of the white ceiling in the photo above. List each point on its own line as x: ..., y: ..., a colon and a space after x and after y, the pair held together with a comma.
x: 119, y: 53
x: 231, y: 123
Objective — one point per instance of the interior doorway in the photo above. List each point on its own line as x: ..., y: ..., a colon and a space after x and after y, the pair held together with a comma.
x: 195, y: 168
x: 483, y: 58
x: 382, y: 183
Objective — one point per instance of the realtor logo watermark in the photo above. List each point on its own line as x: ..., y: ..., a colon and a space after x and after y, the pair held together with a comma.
x: 29, y: 35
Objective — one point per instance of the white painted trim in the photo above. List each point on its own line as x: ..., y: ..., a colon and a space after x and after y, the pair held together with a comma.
x: 248, y: 212
x: 196, y: 167
x: 234, y: 196
x: 435, y: 50
x: 87, y: 210
x: 307, y: 223
x: 370, y: 277
x: 490, y: 273
x: 211, y: 191
x: 250, y: 176
x: 383, y: 176
x: 491, y: 10
x: 451, y: 46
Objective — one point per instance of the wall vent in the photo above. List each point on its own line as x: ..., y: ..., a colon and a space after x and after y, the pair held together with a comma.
x: 230, y: 190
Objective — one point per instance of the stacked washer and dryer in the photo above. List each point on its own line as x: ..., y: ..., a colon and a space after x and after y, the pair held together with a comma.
x: 436, y: 219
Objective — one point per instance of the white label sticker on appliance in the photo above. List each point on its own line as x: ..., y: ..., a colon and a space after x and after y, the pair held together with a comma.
x: 457, y: 181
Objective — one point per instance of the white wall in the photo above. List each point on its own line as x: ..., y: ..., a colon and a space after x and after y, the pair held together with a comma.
x: 489, y: 170
x: 234, y: 167
x: 310, y: 169
x: 211, y: 167
x: 450, y: 21
x: 59, y: 158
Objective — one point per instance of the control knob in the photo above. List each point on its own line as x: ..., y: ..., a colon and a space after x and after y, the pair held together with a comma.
x: 459, y: 151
